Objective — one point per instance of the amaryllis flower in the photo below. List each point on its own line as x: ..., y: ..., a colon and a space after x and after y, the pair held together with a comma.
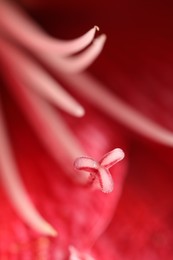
x: 65, y: 199
x: 129, y: 98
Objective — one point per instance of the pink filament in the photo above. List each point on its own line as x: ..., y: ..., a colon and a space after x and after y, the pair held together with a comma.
x: 26, y: 32
x: 33, y: 76
x: 15, y: 189
x: 49, y: 127
x: 97, y: 94
x: 77, y: 63
x: 105, y: 180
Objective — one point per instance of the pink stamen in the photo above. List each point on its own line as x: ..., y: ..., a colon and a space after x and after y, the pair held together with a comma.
x: 99, y: 171
x: 14, y: 187
x: 48, y: 125
x: 26, y: 32
x: 33, y: 76
x: 97, y: 94
x: 77, y: 63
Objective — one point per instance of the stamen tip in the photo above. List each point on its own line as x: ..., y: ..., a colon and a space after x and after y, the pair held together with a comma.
x: 104, y: 37
x: 97, y: 28
x: 80, y: 112
x: 50, y: 230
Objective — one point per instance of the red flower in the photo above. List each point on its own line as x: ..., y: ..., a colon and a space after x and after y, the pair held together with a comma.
x: 136, y: 66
